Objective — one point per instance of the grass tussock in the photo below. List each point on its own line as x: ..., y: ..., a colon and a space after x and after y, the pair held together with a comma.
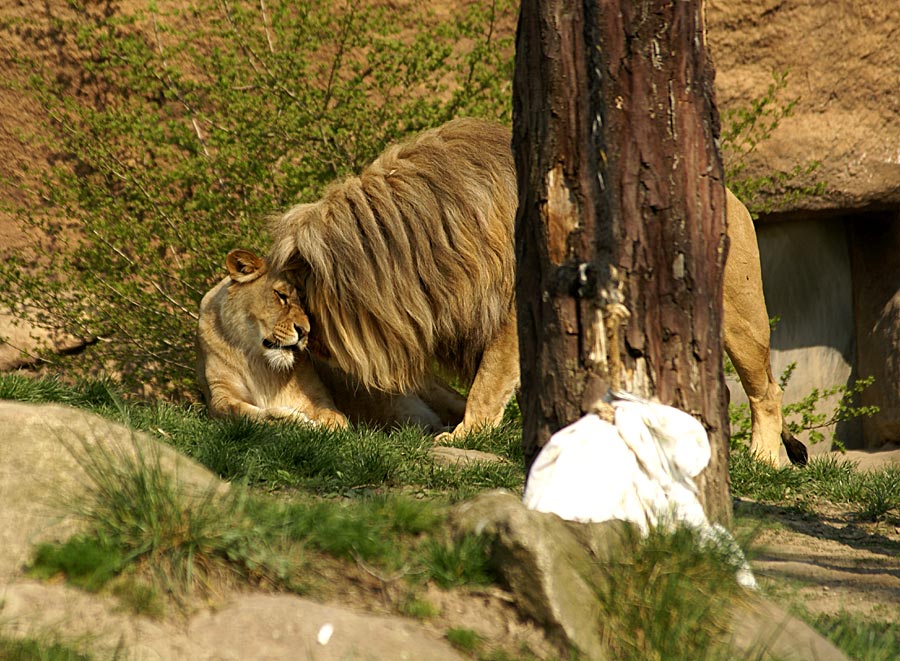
x: 668, y: 596
x: 858, y: 637
x: 873, y: 494
x: 139, y: 517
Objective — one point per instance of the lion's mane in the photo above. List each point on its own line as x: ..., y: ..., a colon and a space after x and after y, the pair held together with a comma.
x: 411, y: 260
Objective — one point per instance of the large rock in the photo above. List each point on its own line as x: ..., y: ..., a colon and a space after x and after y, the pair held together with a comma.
x: 828, y: 265
x: 547, y: 563
x: 43, y: 454
x: 843, y: 60
x: 251, y: 627
x: 21, y: 340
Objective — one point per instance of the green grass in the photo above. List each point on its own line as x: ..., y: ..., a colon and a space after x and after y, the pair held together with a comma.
x: 419, y: 608
x: 378, y: 500
x: 668, y: 596
x: 31, y: 649
x: 460, y: 562
x: 138, y: 517
x: 874, y: 494
x: 295, y: 456
x: 861, y: 639
x: 464, y: 640
x: 87, y: 561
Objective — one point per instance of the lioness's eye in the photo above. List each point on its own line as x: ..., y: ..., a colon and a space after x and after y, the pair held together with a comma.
x: 281, y: 297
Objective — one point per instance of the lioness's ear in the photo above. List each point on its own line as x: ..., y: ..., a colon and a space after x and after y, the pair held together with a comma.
x: 244, y: 266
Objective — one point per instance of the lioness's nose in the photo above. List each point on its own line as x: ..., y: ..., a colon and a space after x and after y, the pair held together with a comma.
x: 301, y: 332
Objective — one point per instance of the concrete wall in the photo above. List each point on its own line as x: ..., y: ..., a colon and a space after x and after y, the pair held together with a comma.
x: 808, y: 285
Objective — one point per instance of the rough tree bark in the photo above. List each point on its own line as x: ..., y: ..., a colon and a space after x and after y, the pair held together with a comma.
x: 619, y: 183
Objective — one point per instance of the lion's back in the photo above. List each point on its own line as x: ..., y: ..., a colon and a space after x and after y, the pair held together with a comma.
x: 414, y: 258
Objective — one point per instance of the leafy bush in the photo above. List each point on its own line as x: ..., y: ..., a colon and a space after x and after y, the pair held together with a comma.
x: 805, y: 415
x: 744, y: 128
x: 814, y: 421
x: 188, y: 129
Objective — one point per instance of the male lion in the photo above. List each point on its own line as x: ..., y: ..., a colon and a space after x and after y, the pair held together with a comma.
x: 413, y: 261
x: 251, y: 358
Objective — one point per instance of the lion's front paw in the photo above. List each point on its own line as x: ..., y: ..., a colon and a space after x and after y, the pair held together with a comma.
x: 443, y: 438
x: 447, y: 436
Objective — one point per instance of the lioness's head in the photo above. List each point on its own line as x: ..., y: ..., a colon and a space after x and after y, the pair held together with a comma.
x: 264, y: 310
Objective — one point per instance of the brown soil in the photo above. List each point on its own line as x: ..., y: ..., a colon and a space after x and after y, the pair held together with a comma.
x: 834, y: 560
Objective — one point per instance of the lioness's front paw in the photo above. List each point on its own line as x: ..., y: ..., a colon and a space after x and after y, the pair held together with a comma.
x: 287, y: 413
x: 334, y: 419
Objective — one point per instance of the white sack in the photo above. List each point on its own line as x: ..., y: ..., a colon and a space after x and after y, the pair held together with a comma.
x: 639, y: 469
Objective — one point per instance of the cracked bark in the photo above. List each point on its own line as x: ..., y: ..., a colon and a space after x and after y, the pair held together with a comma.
x: 614, y: 129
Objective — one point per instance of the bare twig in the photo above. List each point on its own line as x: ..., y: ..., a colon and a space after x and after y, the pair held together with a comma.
x: 265, y: 16
x: 338, y: 58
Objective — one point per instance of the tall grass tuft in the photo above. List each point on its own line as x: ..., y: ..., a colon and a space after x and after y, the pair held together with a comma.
x: 667, y: 596
x: 859, y: 637
x: 138, y: 514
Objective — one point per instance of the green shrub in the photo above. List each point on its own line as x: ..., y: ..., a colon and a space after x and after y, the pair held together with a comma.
x: 804, y: 415
x: 744, y: 128
x: 190, y: 128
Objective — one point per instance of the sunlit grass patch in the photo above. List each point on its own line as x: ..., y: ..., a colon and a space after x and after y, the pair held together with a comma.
x: 668, y: 596
x: 872, y: 493
x: 137, y: 515
x: 35, y: 649
x: 87, y: 561
x: 860, y: 637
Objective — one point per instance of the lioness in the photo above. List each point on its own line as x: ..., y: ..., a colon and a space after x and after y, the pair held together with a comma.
x: 414, y: 261
x: 252, y: 360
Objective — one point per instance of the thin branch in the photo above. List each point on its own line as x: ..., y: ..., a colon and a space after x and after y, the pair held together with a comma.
x: 262, y: 8
x: 338, y: 59
x: 255, y: 60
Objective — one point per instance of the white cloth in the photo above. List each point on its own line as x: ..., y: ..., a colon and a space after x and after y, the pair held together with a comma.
x: 639, y: 469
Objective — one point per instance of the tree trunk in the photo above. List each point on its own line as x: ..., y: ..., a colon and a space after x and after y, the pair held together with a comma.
x: 620, y: 189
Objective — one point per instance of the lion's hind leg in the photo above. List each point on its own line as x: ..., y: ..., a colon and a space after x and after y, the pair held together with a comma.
x: 746, y: 333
